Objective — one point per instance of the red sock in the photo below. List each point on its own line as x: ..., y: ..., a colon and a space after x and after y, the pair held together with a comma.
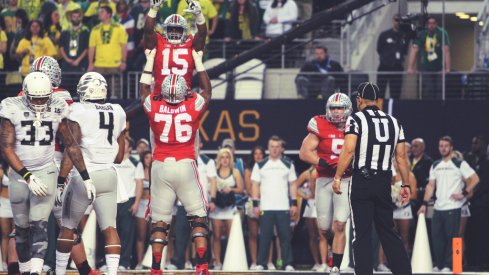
x: 201, y: 255
x: 156, y: 260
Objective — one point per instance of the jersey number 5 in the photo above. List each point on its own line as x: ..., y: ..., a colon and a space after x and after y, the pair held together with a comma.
x: 177, y: 59
x: 183, y: 132
x: 336, y: 145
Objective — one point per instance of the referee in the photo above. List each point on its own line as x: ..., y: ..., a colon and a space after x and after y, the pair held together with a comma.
x: 373, y: 136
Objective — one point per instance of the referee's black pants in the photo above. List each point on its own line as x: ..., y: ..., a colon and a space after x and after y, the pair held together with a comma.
x: 370, y: 201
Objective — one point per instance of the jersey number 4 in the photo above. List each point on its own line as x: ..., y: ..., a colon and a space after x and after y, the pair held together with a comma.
x: 183, y: 132
x: 46, y: 128
x: 107, y: 125
x: 179, y: 58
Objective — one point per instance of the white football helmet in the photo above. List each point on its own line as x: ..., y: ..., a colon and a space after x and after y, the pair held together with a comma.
x: 37, y: 90
x: 92, y: 87
x: 50, y: 67
x: 338, y: 100
x: 175, y: 29
x: 174, y: 89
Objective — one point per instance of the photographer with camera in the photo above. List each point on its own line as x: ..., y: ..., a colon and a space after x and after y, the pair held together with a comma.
x: 392, y: 47
x: 433, y: 46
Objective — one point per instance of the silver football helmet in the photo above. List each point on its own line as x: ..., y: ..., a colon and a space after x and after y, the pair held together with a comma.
x: 338, y: 108
x: 37, y: 90
x: 92, y: 87
x: 174, y: 89
x: 175, y: 29
x: 50, y: 67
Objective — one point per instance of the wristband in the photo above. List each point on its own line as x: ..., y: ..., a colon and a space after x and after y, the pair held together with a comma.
x: 213, y: 200
x: 146, y: 79
x: 425, y: 203
x: 465, y: 193
x: 199, y: 66
x: 336, y: 180
x: 293, y: 202
x: 405, y: 186
x: 84, y: 175
x: 25, y: 173
x: 256, y: 203
x: 61, y: 181
x: 322, y: 163
x: 200, y: 19
x: 152, y: 13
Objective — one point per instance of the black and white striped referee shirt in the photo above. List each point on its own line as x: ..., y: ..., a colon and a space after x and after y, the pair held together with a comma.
x: 378, y: 134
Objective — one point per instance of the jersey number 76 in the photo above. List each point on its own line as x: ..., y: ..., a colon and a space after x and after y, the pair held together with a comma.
x: 183, y: 132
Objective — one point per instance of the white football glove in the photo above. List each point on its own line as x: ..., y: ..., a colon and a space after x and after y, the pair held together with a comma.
x: 199, y: 66
x: 58, y: 201
x: 155, y: 4
x: 91, y: 192
x: 37, y: 187
x: 195, y: 9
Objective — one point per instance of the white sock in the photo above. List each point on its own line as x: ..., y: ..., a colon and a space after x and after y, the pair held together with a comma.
x: 36, y: 265
x: 61, y: 262
x: 25, y: 267
x: 112, y: 261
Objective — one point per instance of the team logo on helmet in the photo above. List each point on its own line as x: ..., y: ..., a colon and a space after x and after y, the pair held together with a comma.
x: 92, y: 87
x: 50, y: 67
x: 174, y: 89
x: 175, y: 29
x: 338, y: 108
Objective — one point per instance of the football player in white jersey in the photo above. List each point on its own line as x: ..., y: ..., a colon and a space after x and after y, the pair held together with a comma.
x: 99, y: 128
x: 28, y: 127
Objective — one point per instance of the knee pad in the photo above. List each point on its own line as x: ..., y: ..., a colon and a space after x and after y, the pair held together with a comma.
x: 39, y: 235
x: 202, y: 222
x: 163, y: 229
x: 22, y: 244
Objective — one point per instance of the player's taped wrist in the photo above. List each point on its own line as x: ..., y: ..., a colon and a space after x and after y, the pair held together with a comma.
x: 84, y: 175
x: 147, y: 75
x: 199, y: 66
x: 24, y: 173
x: 61, y: 181
x: 200, y: 19
x: 405, y: 186
x: 153, y: 12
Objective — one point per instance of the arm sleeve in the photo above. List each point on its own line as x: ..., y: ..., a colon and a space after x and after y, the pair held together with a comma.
x: 211, y: 169
x: 352, y: 126
x: 466, y: 170
x: 447, y: 40
x: 139, y: 173
x: 292, y: 174
x: 255, y: 173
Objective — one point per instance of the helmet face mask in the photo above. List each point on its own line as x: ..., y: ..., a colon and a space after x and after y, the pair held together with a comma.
x: 338, y: 108
x: 174, y: 89
x: 37, y: 90
x: 92, y: 87
x: 50, y: 67
x: 175, y: 29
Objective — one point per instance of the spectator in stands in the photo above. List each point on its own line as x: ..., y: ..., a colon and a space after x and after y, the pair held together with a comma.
x: 279, y: 17
x: 34, y: 45
x: 74, y: 44
x: 448, y: 176
x: 64, y: 8
x: 126, y: 20
x: 92, y: 14
x: 209, y: 12
x: 476, y: 238
x: 52, y: 27
x: 228, y: 183
x: 142, y: 145
x: 10, y: 20
x: 127, y: 210
x: 168, y: 8
x: 141, y: 203
x: 391, y: 47
x: 314, y: 79
x: 222, y: 8
x: 32, y: 7
x: 420, y: 166
x: 242, y: 23
x: 21, y: 22
x: 138, y: 13
x: 107, y: 50
x: 273, y: 182
x: 238, y: 162
x: 434, y: 56
x: 3, y: 45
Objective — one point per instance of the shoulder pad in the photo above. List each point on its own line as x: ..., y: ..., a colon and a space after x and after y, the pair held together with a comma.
x: 262, y: 162
x: 312, y: 126
x: 457, y: 162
